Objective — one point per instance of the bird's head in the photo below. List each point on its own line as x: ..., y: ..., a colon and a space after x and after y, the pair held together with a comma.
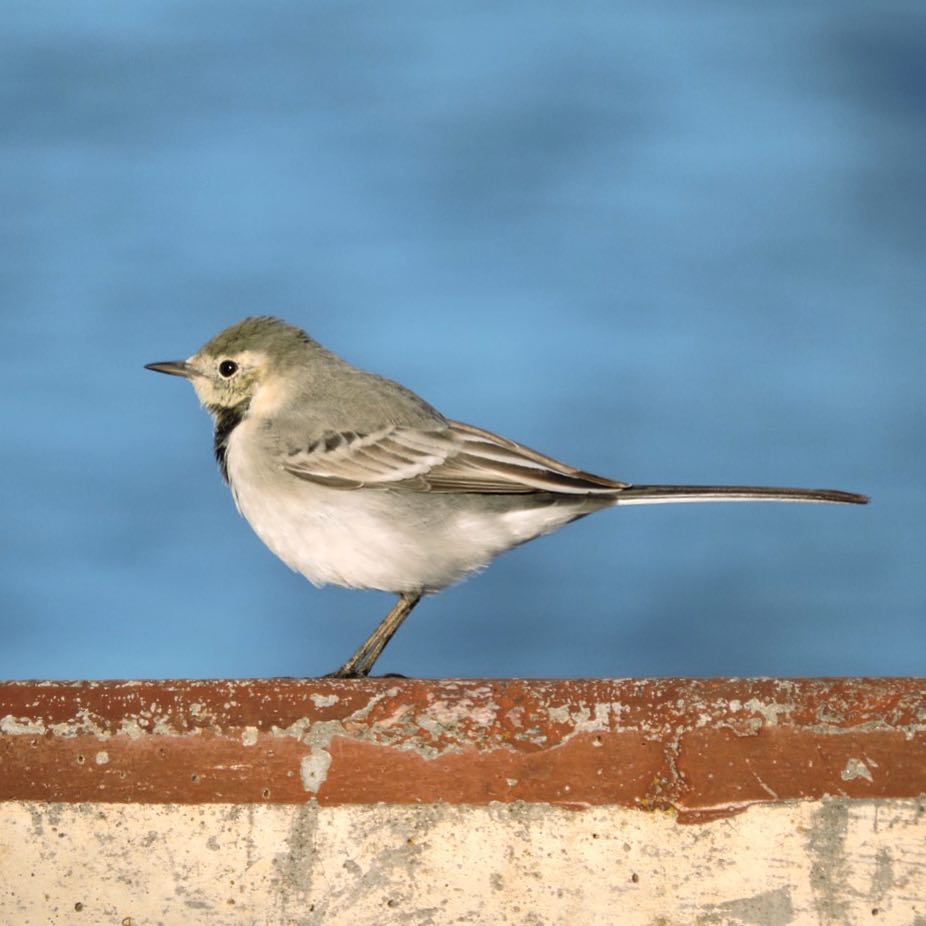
x: 243, y: 366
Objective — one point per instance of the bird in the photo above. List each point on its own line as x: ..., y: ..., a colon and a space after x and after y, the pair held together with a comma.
x: 354, y: 480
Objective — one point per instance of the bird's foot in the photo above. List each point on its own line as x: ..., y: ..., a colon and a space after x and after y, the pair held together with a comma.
x: 345, y: 672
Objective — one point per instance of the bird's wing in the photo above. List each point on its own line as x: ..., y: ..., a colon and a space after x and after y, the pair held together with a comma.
x: 458, y: 458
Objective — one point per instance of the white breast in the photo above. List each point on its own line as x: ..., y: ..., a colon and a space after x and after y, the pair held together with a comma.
x: 375, y: 539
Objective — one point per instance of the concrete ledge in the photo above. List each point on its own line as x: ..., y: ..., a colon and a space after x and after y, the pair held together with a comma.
x: 300, y: 802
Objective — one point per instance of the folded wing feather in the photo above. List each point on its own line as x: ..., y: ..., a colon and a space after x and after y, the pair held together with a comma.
x: 459, y: 458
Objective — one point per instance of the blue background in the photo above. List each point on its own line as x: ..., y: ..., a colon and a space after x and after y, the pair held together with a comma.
x: 664, y: 242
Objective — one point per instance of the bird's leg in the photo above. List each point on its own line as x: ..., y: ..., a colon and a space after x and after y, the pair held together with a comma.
x: 359, y: 665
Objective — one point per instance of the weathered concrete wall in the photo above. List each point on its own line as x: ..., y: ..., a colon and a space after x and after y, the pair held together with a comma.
x: 837, y: 861
x: 670, y: 802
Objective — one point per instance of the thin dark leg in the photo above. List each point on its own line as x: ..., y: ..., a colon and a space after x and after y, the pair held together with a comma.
x: 359, y: 665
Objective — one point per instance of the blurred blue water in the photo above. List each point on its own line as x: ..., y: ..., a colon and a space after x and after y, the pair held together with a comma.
x: 666, y: 243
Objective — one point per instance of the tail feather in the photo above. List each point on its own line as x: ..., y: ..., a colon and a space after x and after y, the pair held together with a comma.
x: 651, y: 495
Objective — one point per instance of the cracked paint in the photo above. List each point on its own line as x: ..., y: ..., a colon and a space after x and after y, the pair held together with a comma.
x: 698, y: 749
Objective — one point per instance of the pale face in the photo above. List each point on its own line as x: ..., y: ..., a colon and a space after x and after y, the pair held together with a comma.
x: 229, y: 379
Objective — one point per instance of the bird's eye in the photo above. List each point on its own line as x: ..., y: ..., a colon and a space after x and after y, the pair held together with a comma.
x: 228, y: 368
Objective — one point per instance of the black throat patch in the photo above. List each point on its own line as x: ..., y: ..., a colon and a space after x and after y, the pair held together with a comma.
x: 226, y: 420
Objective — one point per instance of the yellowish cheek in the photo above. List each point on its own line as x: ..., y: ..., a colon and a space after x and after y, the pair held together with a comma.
x: 204, y: 391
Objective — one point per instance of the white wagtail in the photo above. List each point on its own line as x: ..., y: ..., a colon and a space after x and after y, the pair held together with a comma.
x: 352, y: 479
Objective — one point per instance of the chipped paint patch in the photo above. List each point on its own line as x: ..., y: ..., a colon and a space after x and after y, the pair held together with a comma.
x: 855, y: 768
x: 313, y: 769
x: 102, y: 757
x: 296, y: 729
x: 584, y: 719
x: 132, y: 728
x: 249, y: 736
x: 447, y: 713
x: 21, y: 726
x: 83, y: 724
x: 320, y: 700
x: 769, y: 711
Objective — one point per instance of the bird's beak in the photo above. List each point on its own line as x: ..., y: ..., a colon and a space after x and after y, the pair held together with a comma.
x: 173, y: 368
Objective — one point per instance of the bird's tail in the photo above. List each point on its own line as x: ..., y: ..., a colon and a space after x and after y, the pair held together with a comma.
x: 651, y: 495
